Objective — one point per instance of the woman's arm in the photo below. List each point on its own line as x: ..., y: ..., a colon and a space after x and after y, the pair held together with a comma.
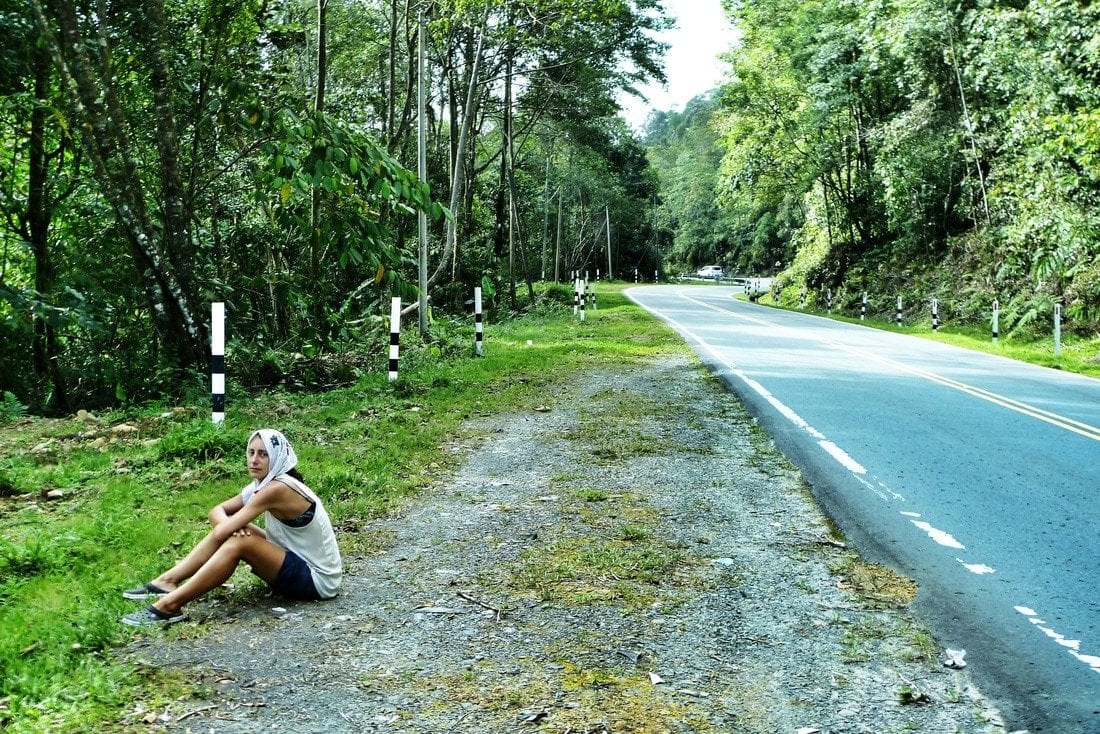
x: 238, y: 516
x: 220, y: 513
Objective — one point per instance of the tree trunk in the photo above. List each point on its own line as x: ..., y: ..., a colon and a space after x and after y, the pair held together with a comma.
x: 504, y: 198
x: 156, y: 250
x: 458, y: 176
x: 316, y: 242
x: 36, y: 227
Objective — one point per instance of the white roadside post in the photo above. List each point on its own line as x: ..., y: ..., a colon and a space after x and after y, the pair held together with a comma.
x: 863, y: 307
x: 395, y: 334
x: 996, y: 321
x: 478, y: 325
x: 217, y: 362
x: 935, y: 314
x: 582, y: 291
x: 898, y: 320
x: 829, y: 300
x: 1057, y: 330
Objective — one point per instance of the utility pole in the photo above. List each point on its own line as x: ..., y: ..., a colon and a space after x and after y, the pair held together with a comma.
x: 607, y: 221
x: 422, y: 172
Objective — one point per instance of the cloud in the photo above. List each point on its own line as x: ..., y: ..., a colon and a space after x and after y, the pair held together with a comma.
x: 691, y: 63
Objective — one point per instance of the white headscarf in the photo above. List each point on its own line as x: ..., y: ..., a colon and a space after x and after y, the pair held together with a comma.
x: 280, y: 455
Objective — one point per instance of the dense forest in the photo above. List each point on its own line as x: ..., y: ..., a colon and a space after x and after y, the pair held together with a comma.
x: 921, y: 148
x: 304, y: 160
x: 159, y: 156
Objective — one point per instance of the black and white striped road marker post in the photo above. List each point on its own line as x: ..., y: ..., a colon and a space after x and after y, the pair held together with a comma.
x: 863, y: 307
x: 898, y: 319
x: 592, y: 291
x: 576, y: 293
x: 829, y: 300
x: 395, y: 334
x: 583, y: 291
x: 935, y: 314
x: 1057, y: 330
x: 996, y: 321
x: 217, y: 363
x: 478, y: 325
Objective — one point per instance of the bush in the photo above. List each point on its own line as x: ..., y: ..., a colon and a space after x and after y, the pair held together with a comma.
x: 200, y: 441
x: 11, y: 408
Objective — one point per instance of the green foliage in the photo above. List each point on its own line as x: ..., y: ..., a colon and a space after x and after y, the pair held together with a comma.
x: 934, y: 151
x: 200, y: 441
x: 10, y: 407
x: 219, y: 176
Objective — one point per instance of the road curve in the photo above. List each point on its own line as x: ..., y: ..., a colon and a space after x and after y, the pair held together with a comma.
x: 973, y: 474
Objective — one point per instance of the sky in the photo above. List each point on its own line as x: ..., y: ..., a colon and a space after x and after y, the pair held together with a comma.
x: 691, y: 62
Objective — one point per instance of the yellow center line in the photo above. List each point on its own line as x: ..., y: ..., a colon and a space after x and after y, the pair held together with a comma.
x: 1055, y: 419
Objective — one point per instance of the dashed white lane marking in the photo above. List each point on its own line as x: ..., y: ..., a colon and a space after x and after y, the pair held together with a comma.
x: 939, y: 536
x: 1072, y: 646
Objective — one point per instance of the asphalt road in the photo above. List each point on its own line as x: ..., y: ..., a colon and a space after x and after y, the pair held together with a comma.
x: 975, y: 475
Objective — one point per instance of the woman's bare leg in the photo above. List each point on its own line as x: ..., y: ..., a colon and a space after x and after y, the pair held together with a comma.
x: 257, y: 551
x: 189, y: 565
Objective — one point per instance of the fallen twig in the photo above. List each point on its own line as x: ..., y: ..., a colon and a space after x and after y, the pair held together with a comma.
x: 474, y: 600
x: 195, y: 712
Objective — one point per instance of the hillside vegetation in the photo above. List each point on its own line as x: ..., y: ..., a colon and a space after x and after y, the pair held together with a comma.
x: 921, y: 149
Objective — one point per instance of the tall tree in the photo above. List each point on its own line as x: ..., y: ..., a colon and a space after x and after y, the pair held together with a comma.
x: 152, y: 211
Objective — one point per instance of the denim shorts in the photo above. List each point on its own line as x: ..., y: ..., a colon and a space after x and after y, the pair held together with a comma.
x: 294, y: 580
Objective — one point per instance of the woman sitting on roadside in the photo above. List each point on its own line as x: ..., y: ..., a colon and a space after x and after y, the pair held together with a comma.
x: 295, y: 553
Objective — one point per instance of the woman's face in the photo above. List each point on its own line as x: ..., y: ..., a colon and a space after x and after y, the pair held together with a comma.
x: 258, y: 460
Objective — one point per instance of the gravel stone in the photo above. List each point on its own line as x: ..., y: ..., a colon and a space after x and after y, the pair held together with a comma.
x: 472, y: 616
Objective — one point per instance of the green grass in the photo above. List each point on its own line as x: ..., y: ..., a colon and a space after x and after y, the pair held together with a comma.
x: 132, y: 502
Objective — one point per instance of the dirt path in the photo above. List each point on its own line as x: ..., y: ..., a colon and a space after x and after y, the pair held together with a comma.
x: 636, y: 557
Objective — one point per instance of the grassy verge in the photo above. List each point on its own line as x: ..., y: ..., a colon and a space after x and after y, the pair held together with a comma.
x: 93, y: 504
x: 1079, y: 354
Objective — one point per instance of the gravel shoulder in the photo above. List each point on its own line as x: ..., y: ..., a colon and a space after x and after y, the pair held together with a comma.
x: 634, y: 556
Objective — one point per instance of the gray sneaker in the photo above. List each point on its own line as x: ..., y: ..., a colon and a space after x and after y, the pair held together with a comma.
x: 150, y: 616
x: 145, y: 591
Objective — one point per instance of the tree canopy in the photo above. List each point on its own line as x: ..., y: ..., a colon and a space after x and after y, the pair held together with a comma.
x: 160, y: 156
x: 943, y: 150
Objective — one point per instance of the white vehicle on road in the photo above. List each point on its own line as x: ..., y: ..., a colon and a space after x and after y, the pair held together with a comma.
x: 710, y: 272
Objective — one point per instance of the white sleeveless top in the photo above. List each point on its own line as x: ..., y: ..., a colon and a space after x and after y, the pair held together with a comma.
x: 315, y: 542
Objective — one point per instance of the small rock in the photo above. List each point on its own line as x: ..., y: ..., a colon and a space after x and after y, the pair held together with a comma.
x: 85, y: 417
